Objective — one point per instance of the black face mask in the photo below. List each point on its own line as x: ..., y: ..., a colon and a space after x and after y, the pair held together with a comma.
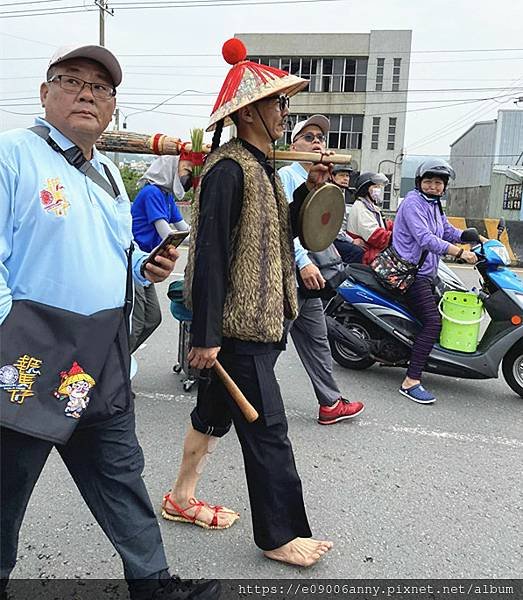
x: 186, y: 181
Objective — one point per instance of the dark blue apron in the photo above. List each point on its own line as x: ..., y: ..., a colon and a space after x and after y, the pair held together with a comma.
x: 60, y: 369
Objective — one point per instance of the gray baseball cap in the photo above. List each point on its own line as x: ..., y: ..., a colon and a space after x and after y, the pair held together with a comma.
x: 93, y: 52
x: 319, y: 120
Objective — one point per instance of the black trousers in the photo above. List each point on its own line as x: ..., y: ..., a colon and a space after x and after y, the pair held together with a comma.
x: 147, y: 315
x: 275, y: 492
x: 106, y: 463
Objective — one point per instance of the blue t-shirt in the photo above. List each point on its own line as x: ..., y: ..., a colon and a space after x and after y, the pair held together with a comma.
x: 152, y: 204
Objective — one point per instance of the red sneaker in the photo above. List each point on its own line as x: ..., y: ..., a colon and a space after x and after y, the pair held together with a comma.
x: 343, y: 409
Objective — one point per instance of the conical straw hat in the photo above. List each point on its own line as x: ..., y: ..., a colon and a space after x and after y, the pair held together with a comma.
x: 248, y: 82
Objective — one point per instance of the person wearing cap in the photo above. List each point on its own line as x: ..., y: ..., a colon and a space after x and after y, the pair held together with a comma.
x: 241, y: 286
x: 155, y: 214
x: 350, y: 250
x: 340, y: 176
x: 65, y: 257
x: 309, y: 330
x: 365, y: 222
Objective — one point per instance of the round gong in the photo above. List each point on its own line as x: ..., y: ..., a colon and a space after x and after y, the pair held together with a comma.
x: 320, y: 217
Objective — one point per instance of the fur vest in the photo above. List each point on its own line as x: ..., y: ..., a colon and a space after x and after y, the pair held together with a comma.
x: 261, y: 290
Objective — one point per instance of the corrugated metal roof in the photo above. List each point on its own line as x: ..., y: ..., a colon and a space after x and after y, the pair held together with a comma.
x: 471, y: 128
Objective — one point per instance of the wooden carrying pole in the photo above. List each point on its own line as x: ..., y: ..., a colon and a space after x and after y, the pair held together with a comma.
x: 141, y: 143
x: 248, y: 410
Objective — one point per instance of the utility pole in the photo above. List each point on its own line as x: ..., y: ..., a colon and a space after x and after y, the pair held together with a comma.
x: 103, y: 6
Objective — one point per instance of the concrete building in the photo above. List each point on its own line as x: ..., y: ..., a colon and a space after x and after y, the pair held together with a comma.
x: 358, y: 80
x: 486, y: 159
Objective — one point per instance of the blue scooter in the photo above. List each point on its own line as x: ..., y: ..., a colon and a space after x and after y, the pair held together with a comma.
x: 380, y: 328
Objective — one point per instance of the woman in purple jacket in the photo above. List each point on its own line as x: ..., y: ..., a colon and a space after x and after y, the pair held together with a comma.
x: 421, y: 225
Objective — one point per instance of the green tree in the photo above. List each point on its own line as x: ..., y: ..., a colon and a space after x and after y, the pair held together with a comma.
x: 130, y: 178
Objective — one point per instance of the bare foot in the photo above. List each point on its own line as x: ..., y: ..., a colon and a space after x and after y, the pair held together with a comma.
x: 198, y: 512
x: 302, y: 552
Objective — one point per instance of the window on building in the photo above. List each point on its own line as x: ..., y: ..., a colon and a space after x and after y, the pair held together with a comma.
x: 388, y: 192
x: 325, y: 74
x: 391, y: 140
x: 295, y: 66
x: 375, y: 133
x: 355, y: 79
x: 346, y: 131
x: 396, y: 71
x: 289, y: 126
x: 338, y: 72
x: 380, y: 68
x: 309, y: 70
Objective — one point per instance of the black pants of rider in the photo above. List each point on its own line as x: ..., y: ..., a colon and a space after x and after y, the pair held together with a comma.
x: 275, y: 491
x: 106, y: 464
x: 420, y: 297
x: 349, y: 252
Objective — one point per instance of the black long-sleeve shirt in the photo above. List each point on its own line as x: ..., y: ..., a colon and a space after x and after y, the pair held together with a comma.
x: 221, y: 199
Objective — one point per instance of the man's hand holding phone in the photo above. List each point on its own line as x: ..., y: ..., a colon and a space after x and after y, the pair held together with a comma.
x: 160, y: 263
x: 162, y: 267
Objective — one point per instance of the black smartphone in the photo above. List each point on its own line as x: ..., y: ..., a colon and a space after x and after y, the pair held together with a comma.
x: 172, y: 239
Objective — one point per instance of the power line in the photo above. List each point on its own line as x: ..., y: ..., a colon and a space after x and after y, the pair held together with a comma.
x: 43, y: 14
x: 17, y: 37
x: 32, y: 2
x: 297, y: 106
x: 365, y: 115
x: 48, y: 10
x: 205, y: 3
x: 39, y: 12
x: 466, y: 155
x: 477, y: 112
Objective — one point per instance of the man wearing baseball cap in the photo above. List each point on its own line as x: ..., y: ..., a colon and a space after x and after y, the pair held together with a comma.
x: 309, y: 330
x: 66, y: 270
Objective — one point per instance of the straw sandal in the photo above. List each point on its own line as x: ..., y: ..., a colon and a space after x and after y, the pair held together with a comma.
x: 182, y: 516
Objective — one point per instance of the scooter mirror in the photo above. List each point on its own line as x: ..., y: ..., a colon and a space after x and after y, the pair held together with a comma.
x: 470, y: 236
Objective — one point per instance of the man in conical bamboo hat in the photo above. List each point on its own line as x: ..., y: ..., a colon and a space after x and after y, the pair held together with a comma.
x: 241, y: 286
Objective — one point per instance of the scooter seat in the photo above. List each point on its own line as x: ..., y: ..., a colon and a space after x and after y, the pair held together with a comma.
x: 365, y: 275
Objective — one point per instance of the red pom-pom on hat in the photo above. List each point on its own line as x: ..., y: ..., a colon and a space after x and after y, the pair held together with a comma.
x: 234, y: 51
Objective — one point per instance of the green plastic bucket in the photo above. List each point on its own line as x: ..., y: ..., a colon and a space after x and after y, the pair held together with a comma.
x: 462, y: 314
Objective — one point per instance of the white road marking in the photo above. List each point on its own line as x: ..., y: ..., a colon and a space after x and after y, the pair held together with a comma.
x: 447, y: 435
x: 470, y: 438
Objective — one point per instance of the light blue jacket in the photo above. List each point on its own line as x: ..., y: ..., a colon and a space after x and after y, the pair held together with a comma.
x: 63, y: 239
x: 292, y: 177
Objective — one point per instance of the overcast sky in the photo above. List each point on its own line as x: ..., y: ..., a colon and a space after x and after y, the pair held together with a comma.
x: 165, y: 39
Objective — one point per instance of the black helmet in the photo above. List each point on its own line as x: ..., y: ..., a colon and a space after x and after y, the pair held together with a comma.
x: 366, y: 179
x: 434, y: 167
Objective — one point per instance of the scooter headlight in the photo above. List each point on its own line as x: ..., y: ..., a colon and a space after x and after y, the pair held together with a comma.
x: 503, y: 254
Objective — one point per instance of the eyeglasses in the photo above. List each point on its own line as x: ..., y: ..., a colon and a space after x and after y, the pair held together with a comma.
x: 310, y: 137
x: 74, y: 85
x: 283, y: 101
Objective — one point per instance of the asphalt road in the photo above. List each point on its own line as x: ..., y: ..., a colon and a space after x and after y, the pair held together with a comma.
x: 404, y: 491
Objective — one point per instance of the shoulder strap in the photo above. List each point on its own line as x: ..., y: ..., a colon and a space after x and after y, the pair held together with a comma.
x: 422, y: 258
x: 74, y: 156
x: 129, y: 292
